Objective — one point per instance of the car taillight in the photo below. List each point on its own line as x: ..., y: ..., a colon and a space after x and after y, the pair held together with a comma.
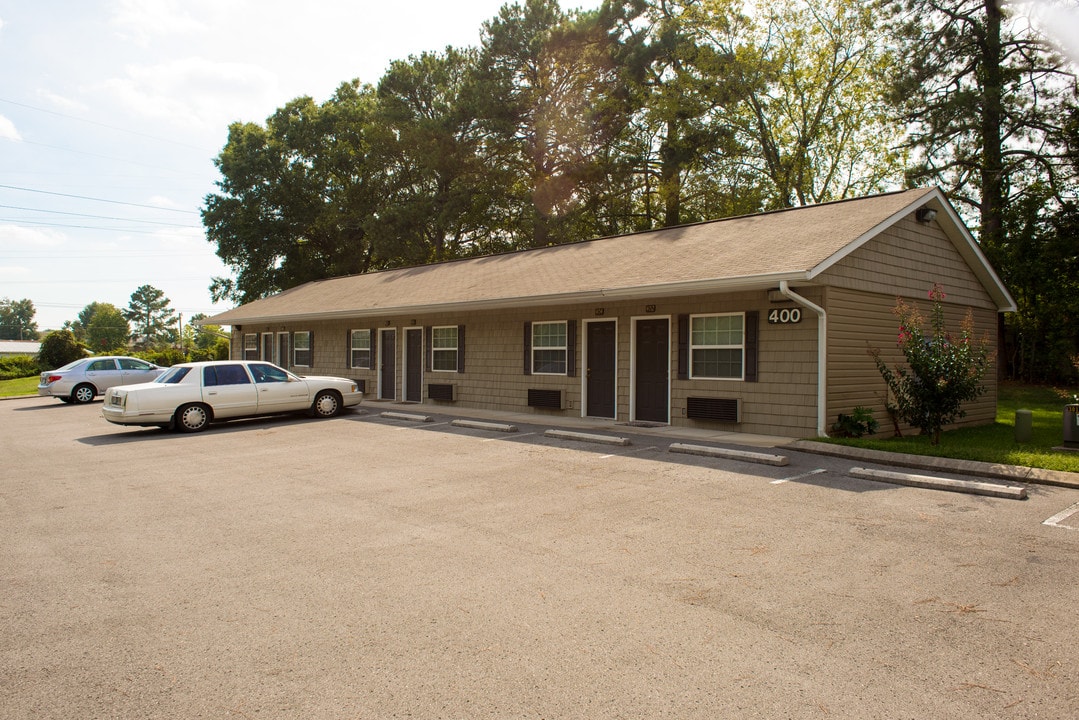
x: 53, y: 378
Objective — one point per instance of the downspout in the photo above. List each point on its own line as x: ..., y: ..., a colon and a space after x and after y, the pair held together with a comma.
x: 822, y: 355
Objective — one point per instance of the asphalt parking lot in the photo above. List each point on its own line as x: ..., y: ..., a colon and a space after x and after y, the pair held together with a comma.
x: 366, y: 567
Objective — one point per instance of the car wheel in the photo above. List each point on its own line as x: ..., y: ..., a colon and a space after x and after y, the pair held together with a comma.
x: 192, y: 418
x: 327, y: 404
x: 83, y: 393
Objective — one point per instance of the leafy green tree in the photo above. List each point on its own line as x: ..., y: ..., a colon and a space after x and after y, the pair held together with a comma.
x: 546, y: 94
x: 17, y: 320
x: 1039, y: 264
x: 300, y: 196
x: 58, y: 348
x: 82, y: 321
x: 205, y: 342
x: 440, y: 196
x: 989, y: 105
x: 815, y: 119
x: 106, y: 330
x: 153, y: 319
x: 944, y: 370
x: 681, y: 79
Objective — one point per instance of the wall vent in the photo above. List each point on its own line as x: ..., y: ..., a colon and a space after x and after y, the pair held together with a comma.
x: 550, y: 399
x: 443, y: 391
x: 361, y: 385
x: 718, y: 409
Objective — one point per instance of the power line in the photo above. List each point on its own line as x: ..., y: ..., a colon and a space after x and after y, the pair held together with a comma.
x: 131, y: 231
x: 84, y: 197
x: 99, y: 124
x: 95, y: 217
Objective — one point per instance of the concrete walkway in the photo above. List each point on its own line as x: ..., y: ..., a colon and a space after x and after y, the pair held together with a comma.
x: 726, y: 437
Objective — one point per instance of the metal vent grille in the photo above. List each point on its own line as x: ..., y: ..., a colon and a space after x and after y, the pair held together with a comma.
x: 551, y: 399
x: 441, y: 392
x: 718, y: 409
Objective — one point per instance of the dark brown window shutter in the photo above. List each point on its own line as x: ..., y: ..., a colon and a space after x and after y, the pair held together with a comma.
x: 752, y: 335
x: 374, y: 348
x: 571, y: 347
x: 683, y: 347
x: 460, y: 348
x: 429, y: 337
x: 528, y: 348
x: 348, y: 349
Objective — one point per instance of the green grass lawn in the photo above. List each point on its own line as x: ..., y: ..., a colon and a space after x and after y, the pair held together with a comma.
x: 995, y: 443
x: 21, y: 386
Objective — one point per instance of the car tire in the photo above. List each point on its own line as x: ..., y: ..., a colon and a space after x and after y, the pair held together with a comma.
x: 83, y: 393
x: 327, y: 404
x: 192, y: 418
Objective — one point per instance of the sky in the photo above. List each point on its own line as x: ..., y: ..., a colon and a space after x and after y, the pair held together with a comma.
x: 112, y: 112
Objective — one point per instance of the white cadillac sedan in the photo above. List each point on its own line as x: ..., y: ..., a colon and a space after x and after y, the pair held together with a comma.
x: 190, y: 396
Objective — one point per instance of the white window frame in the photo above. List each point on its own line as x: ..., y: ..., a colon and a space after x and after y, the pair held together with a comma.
x: 564, y: 348
x: 445, y: 350
x: 297, y: 349
x: 251, y: 345
x: 353, y: 349
x: 740, y: 346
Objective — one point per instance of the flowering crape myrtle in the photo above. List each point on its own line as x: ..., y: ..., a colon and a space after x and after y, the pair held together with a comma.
x: 944, y: 370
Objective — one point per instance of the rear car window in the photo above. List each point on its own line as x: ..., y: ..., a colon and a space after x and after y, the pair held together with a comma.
x: 225, y: 375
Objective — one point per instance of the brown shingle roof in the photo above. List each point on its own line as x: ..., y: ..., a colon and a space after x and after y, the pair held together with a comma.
x: 748, y: 251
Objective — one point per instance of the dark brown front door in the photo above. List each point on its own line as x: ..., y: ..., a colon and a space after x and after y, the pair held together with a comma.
x: 387, y: 386
x: 414, y: 364
x: 600, y: 374
x: 653, y: 354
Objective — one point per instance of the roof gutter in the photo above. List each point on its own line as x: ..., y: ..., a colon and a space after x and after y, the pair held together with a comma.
x: 822, y: 354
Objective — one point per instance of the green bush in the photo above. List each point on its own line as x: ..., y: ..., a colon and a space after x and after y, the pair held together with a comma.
x: 165, y: 357
x: 19, y: 366
x: 860, y: 422
x: 58, y: 349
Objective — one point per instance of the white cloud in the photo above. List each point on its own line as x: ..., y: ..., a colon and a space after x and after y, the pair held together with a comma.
x: 63, y: 104
x: 17, y: 236
x: 195, y: 92
x: 144, y: 21
x: 8, y: 130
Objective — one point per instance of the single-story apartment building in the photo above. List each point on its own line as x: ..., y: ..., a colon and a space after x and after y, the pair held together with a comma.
x: 759, y: 323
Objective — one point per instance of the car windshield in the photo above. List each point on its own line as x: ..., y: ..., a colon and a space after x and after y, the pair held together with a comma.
x: 173, y: 375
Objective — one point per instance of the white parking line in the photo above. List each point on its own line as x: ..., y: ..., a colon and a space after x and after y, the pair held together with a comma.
x: 425, y: 425
x: 508, y: 437
x: 1055, y: 521
x: 818, y: 471
x: 630, y: 452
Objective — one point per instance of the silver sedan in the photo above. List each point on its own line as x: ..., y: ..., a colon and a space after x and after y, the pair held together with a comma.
x: 190, y: 396
x: 82, y: 380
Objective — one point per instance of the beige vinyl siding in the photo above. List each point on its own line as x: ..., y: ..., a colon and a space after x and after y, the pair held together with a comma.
x: 782, y: 403
x: 906, y: 260
x: 860, y: 320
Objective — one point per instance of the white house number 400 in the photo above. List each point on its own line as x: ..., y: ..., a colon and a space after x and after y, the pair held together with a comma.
x: 786, y: 316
